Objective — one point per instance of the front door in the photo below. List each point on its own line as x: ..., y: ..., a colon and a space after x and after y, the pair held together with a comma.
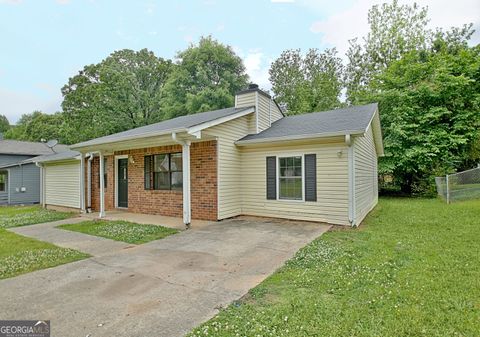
x: 122, y: 182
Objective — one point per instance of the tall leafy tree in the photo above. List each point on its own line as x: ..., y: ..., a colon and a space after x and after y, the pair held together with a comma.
x: 4, y: 124
x: 307, y: 83
x: 206, y: 77
x: 38, y: 126
x: 394, y: 31
x: 121, y: 92
x: 430, y: 102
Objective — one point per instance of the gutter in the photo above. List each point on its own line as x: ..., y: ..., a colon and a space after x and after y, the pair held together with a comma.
x: 299, y: 137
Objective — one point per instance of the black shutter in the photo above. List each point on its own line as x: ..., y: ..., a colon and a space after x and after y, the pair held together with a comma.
x: 310, y: 177
x: 147, y: 172
x: 271, y: 178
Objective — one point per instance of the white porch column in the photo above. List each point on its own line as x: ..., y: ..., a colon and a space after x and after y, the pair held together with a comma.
x: 82, y: 182
x: 187, y: 212
x: 102, y: 186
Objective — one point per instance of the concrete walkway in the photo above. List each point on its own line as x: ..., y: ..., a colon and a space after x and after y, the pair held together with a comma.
x: 93, y: 245
x: 162, y: 288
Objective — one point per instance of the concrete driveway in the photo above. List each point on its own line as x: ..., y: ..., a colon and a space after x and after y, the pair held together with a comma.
x: 162, y: 288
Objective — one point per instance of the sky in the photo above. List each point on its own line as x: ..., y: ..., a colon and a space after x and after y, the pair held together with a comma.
x: 45, y: 42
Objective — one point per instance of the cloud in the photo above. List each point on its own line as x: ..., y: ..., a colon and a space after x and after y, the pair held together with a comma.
x: 63, y: 2
x: 15, y: 103
x: 282, y: 1
x: 257, y: 65
x: 341, y: 26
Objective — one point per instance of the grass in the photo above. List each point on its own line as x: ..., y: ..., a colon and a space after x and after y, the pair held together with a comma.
x: 14, y: 216
x: 19, y: 254
x: 412, y: 269
x: 121, y: 230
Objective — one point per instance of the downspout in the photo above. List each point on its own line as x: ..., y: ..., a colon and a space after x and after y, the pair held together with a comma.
x: 187, y: 211
x: 82, y: 183
x: 351, y: 180
x: 42, y: 184
x: 102, y: 185
x: 89, y: 182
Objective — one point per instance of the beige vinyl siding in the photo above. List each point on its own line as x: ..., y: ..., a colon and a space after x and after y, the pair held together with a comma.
x: 245, y: 100
x: 276, y: 113
x: 366, y: 181
x: 229, y: 164
x: 263, y: 112
x: 62, y: 184
x: 332, y: 182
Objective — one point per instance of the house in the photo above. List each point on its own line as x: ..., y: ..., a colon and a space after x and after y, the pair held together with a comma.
x: 249, y: 159
x: 19, y: 176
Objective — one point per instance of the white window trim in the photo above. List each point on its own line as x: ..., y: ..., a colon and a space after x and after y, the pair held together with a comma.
x: 123, y: 156
x: 288, y: 155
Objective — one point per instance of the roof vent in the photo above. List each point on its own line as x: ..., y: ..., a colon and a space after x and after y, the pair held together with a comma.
x: 252, y: 86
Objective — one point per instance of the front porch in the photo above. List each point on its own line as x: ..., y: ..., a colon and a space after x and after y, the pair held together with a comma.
x: 148, y: 219
x: 169, y: 184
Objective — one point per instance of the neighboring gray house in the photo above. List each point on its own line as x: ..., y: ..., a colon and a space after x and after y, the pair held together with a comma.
x: 19, y: 176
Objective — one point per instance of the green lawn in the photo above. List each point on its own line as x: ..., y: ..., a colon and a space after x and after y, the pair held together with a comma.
x: 19, y: 254
x: 121, y: 230
x: 412, y: 269
x: 13, y: 216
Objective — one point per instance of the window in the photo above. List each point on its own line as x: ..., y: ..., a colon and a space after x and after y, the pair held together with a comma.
x: 163, y: 172
x: 290, y: 178
x: 3, y: 181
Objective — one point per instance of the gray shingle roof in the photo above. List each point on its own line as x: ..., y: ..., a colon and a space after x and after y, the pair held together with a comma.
x: 8, y: 146
x: 68, y: 154
x: 349, y: 120
x: 174, y: 124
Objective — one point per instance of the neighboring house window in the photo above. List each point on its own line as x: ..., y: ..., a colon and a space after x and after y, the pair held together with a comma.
x: 3, y: 181
x: 163, y: 172
x: 290, y: 178
x: 104, y: 174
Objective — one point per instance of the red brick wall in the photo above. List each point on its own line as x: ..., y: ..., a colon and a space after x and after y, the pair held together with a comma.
x: 203, y: 169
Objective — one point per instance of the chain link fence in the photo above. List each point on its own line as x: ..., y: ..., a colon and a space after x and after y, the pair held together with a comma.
x: 459, y: 186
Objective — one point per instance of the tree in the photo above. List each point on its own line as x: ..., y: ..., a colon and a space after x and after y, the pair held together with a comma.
x: 394, y: 31
x: 206, y: 77
x: 122, y: 92
x: 38, y: 126
x: 4, y: 124
x: 429, y: 102
x: 306, y: 84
